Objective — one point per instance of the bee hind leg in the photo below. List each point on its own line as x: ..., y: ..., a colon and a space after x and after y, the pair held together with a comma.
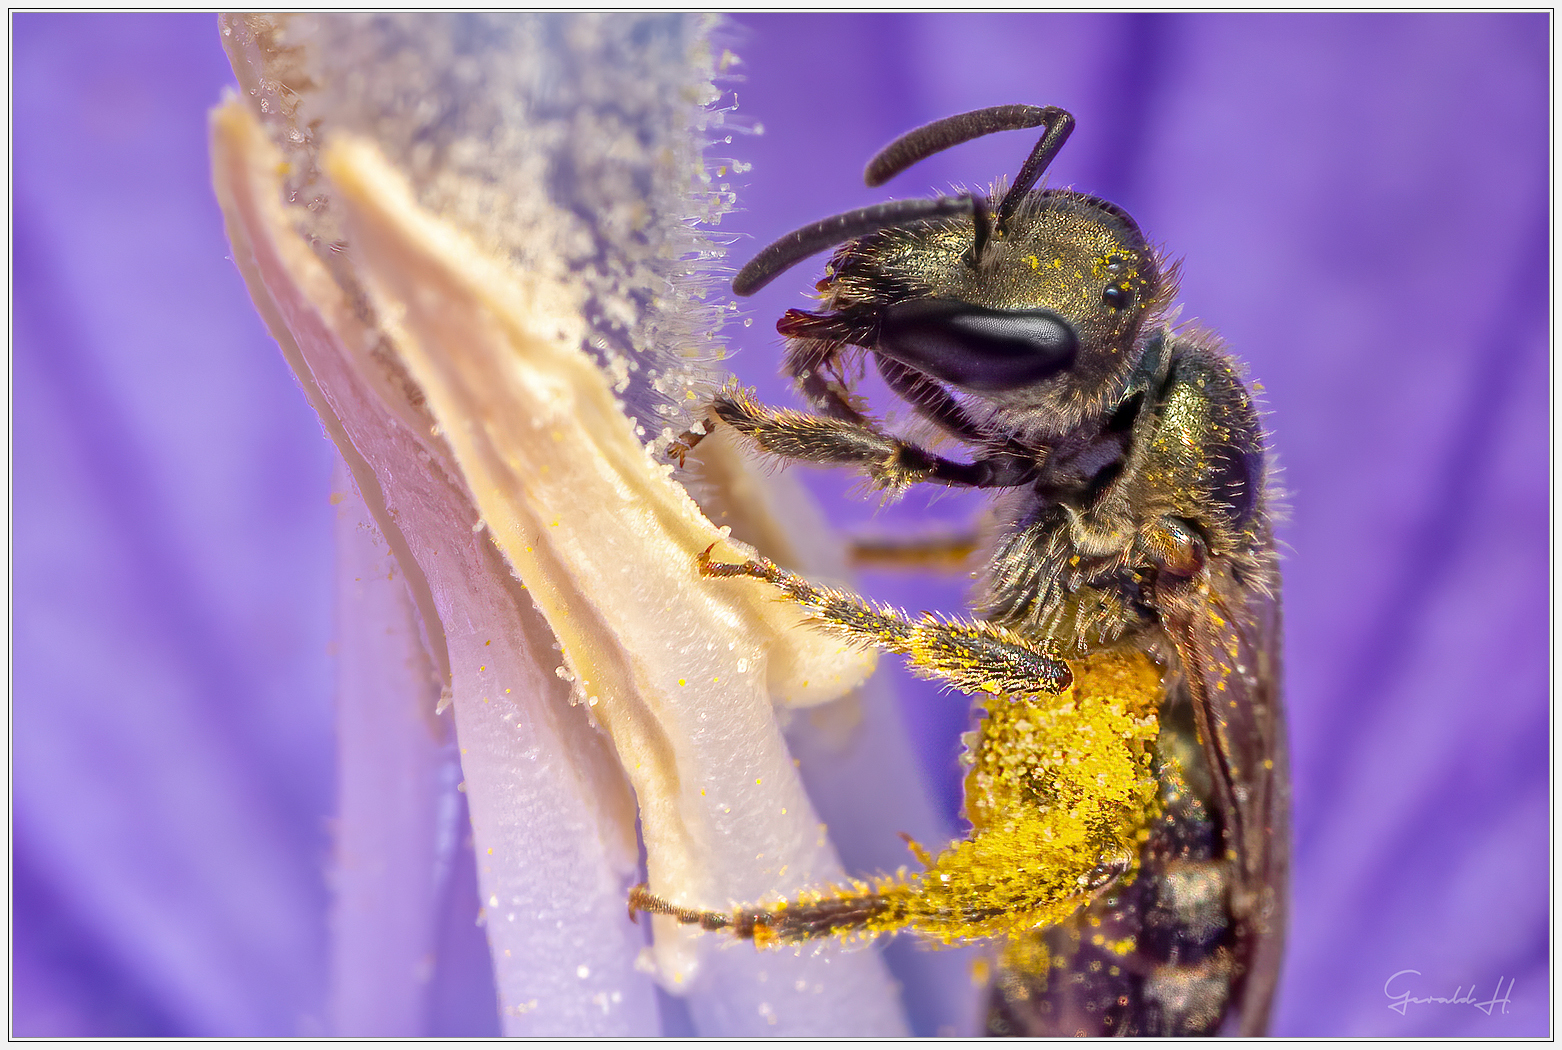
x: 812, y: 916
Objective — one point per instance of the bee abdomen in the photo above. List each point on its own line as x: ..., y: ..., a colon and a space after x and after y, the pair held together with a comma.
x: 1185, y: 999
x: 1176, y: 980
x: 1190, y: 915
x: 1154, y: 956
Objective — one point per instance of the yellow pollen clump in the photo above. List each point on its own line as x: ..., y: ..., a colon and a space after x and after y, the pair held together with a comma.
x: 1060, y: 796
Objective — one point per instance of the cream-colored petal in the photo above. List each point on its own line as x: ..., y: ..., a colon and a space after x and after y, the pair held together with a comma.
x: 449, y: 334
x: 678, y: 666
x: 553, y: 820
x: 675, y: 667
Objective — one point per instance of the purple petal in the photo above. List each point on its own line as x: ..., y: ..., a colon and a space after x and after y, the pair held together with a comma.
x: 1362, y: 204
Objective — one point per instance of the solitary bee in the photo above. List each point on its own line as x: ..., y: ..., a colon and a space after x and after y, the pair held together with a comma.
x: 1126, y: 784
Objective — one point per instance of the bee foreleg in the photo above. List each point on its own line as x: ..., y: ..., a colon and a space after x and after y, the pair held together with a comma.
x: 889, y: 462
x: 972, y: 655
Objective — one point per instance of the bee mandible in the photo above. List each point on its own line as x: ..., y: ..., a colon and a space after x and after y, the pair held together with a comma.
x: 1126, y: 785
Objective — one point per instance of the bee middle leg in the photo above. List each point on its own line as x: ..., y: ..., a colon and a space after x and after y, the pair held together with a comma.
x: 974, y: 656
x: 936, y: 552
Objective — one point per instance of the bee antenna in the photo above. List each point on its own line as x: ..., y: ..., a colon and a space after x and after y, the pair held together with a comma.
x: 1060, y: 124
x: 983, y: 227
x: 950, y: 131
x: 780, y: 256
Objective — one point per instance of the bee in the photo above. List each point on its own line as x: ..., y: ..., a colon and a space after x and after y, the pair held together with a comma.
x: 1126, y: 784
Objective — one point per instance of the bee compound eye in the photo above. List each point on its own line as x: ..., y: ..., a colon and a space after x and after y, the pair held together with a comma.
x: 977, y: 348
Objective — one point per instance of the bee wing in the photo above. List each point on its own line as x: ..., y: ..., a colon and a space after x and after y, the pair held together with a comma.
x: 1227, y: 636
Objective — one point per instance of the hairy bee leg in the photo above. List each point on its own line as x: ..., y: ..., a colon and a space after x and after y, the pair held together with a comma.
x: 680, y: 447
x: 917, y: 850
x: 789, y: 922
x: 1001, y: 882
x: 642, y: 900
x: 941, y: 552
x: 889, y: 462
x: 972, y: 655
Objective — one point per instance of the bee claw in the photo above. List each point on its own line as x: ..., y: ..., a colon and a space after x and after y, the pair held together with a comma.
x: 917, y: 850
x: 635, y: 896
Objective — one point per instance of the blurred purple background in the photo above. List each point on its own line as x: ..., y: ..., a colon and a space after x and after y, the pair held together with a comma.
x: 1362, y: 204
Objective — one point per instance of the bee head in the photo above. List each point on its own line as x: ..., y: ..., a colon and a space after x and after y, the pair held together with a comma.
x: 1059, y: 297
x: 1037, y: 304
